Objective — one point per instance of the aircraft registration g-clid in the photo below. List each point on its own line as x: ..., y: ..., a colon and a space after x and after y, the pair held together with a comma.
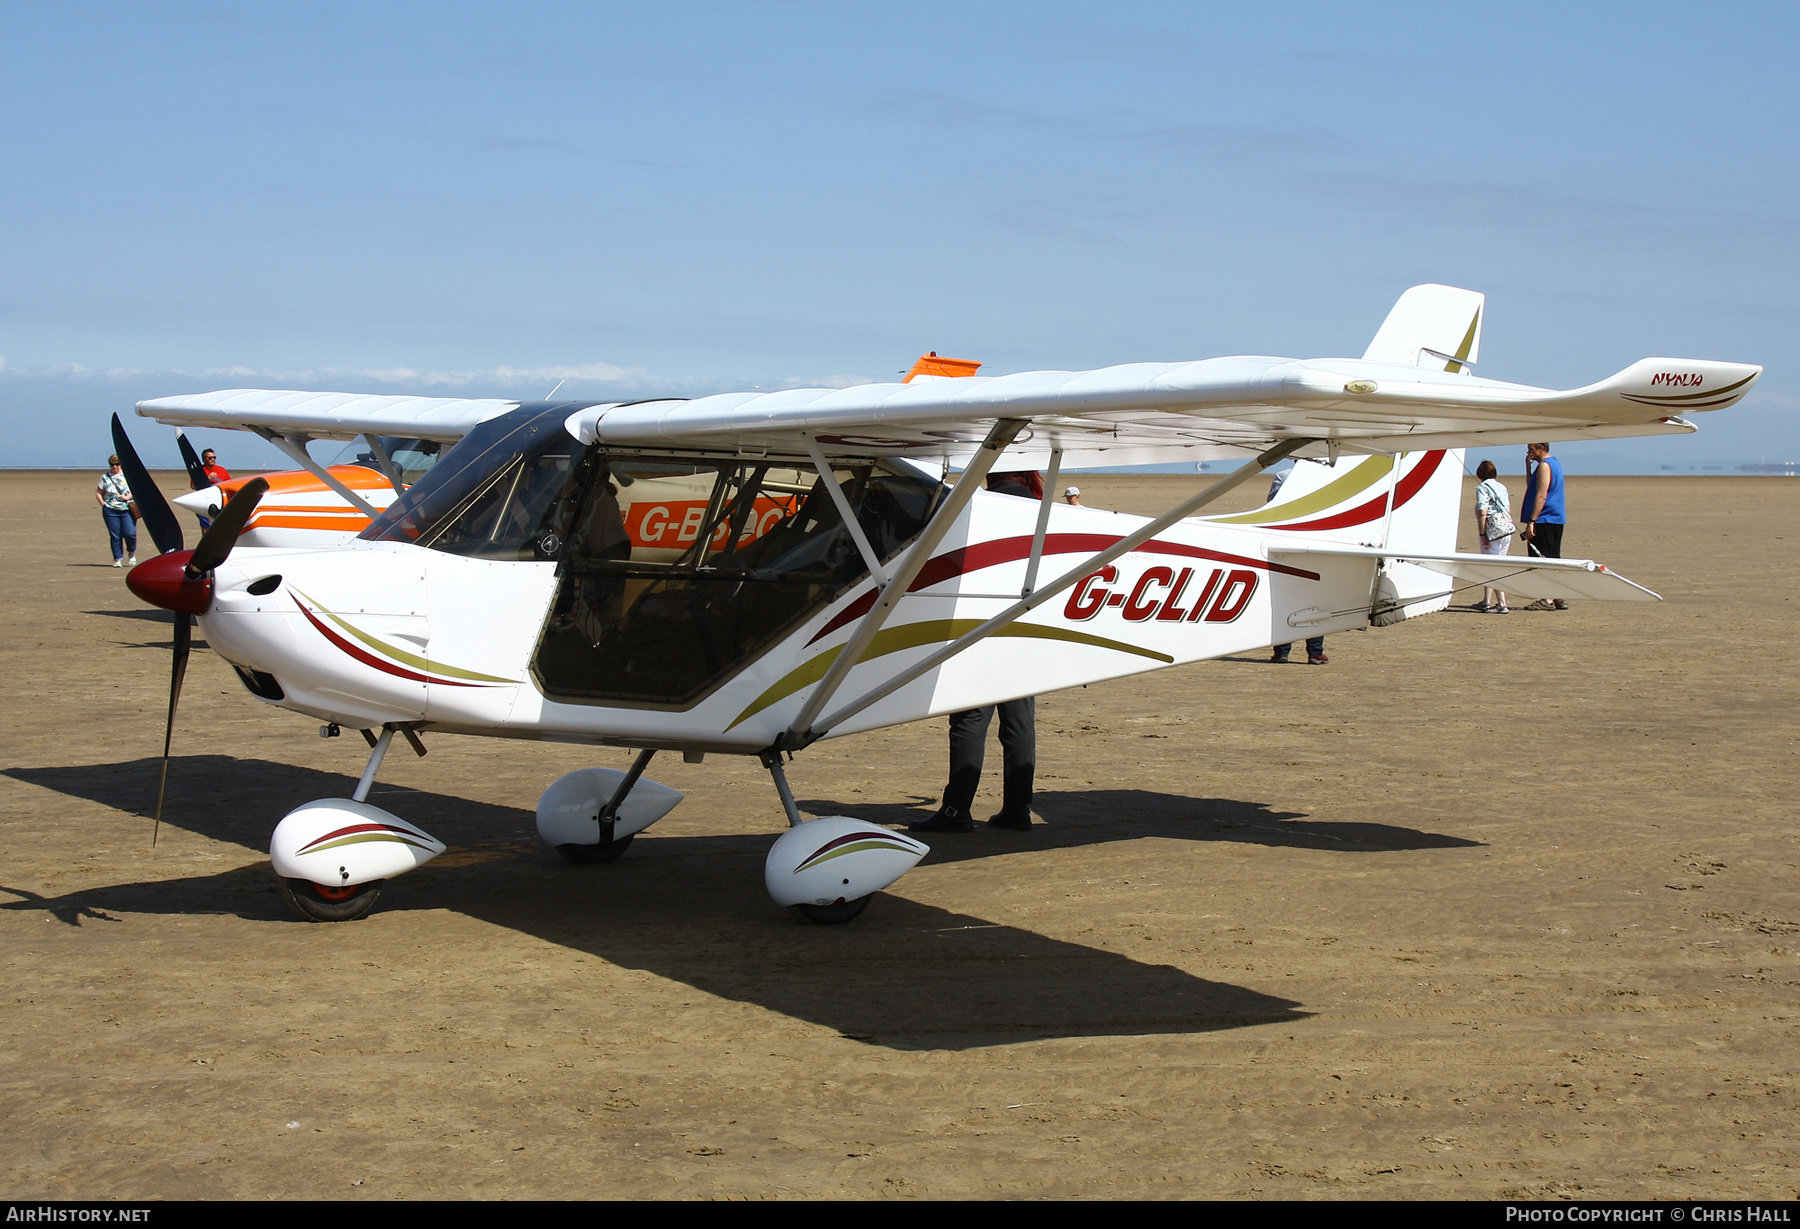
x: 750, y: 573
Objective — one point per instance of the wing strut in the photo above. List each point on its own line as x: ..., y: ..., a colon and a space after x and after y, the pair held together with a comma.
x: 1002, y: 434
x: 389, y: 470
x: 813, y: 732
x: 828, y: 476
x: 1043, y: 523
x: 297, y: 451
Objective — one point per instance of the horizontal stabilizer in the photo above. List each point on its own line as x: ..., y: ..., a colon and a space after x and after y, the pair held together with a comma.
x: 1678, y: 385
x: 1518, y: 575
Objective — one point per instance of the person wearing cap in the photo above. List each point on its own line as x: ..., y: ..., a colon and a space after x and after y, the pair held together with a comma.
x: 1072, y: 496
x: 113, y: 494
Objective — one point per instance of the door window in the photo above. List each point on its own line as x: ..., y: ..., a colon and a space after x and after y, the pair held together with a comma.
x: 678, y: 572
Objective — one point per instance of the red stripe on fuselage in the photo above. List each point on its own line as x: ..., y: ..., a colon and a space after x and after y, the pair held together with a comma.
x: 1004, y: 550
x: 369, y: 659
x: 1404, y: 490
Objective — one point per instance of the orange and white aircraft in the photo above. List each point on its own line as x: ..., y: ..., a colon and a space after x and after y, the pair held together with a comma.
x: 750, y: 573
x: 318, y: 506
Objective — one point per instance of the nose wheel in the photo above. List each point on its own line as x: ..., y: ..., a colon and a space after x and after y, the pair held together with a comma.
x: 832, y: 915
x: 605, y: 851
x: 318, y: 903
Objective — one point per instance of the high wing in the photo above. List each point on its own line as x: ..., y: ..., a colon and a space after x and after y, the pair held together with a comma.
x: 1176, y: 411
x: 328, y: 416
x: 1413, y: 389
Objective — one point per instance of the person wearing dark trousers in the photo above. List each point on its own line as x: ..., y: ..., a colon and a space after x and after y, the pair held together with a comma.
x: 1542, y: 523
x: 968, y: 732
x: 1315, y: 651
x: 968, y: 748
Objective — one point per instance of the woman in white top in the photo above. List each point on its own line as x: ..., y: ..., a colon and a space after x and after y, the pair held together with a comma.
x: 113, y: 494
x: 1494, y: 527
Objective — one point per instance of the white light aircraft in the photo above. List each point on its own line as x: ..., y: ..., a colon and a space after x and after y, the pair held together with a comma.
x: 750, y: 573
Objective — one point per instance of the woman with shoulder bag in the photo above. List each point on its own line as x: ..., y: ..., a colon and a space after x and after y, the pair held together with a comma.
x: 119, y: 509
x: 1494, y: 527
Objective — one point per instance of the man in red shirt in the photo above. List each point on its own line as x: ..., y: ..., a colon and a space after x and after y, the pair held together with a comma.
x: 216, y: 473
x: 209, y: 461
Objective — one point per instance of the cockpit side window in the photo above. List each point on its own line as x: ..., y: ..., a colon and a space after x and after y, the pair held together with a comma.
x: 508, y: 490
x: 677, y: 572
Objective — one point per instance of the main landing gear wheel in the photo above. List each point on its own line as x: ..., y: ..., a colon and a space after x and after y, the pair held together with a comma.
x: 596, y: 853
x: 832, y: 915
x: 317, y: 903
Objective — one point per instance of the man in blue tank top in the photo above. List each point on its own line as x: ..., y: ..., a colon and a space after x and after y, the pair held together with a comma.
x: 1542, y: 523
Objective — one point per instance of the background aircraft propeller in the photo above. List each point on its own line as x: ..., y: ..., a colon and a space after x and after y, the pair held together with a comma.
x: 197, y: 478
x: 158, y: 516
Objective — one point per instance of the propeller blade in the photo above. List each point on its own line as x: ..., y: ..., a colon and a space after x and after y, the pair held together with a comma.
x: 184, y: 643
x: 197, y: 479
x: 222, y: 535
x: 159, y: 517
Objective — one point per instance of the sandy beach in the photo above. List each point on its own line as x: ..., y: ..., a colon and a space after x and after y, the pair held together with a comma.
x: 1487, y: 907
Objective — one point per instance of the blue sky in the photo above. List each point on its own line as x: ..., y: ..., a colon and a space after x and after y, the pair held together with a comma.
x: 686, y: 198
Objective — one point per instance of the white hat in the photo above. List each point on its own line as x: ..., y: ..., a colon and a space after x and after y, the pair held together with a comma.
x: 1074, y: 490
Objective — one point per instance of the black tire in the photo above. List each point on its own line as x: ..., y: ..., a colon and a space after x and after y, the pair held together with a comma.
x: 585, y: 854
x: 317, y: 903
x: 832, y: 915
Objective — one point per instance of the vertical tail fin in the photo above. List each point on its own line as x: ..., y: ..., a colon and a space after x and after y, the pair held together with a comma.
x: 1350, y: 502
x: 1406, y: 504
x: 1434, y: 327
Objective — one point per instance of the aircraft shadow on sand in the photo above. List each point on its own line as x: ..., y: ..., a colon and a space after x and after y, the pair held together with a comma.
x: 692, y: 908
x: 1101, y: 816
x: 146, y: 616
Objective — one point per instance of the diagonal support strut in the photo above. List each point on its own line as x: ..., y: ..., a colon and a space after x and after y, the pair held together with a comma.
x: 298, y: 452
x: 1002, y: 435
x: 1025, y: 605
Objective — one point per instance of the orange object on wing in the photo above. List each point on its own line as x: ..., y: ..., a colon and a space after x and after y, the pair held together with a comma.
x: 932, y: 365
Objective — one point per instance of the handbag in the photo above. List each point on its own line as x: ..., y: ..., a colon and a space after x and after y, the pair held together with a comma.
x: 136, y: 516
x: 1499, y: 524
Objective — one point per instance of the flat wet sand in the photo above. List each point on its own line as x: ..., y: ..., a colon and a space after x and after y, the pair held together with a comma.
x: 1486, y: 907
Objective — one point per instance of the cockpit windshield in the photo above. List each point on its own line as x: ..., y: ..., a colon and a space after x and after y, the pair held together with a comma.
x: 502, y: 493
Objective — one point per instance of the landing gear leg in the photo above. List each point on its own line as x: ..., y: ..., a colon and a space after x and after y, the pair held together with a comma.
x: 320, y: 902
x: 826, y: 915
x: 772, y: 761
x: 377, y: 753
x: 609, y: 848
